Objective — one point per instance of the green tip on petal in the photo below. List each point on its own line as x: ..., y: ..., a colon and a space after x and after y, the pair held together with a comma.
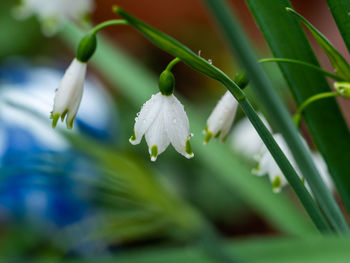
x: 55, y: 117
x: 217, y: 134
x: 133, y: 137
x: 64, y: 114
x: 188, y: 149
x: 208, y: 135
x: 70, y: 123
x: 154, y: 153
x: 276, y: 184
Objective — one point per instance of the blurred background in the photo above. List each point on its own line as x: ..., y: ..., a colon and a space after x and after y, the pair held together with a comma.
x: 72, y: 194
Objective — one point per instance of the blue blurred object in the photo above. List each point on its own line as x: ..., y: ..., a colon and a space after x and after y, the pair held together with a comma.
x: 37, y: 164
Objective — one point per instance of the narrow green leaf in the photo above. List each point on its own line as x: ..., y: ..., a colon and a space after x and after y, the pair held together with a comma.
x: 277, y: 111
x: 119, y: 68
x: 340, y: 10
x: 324, y: 119
x: 341, y: 67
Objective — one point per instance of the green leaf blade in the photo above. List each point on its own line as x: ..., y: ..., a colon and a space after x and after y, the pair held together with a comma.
x: 341, y: 67
x: 340, y: 10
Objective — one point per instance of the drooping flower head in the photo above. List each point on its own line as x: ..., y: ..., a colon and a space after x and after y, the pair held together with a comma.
x: 53, y: 13
x: 163, y: 121
x: 268, y: 166
x: 70, y: 91
x: 221, y: 119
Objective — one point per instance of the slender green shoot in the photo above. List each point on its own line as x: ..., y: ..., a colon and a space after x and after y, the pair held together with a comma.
x: 302, y: 63
x: 306, y: 103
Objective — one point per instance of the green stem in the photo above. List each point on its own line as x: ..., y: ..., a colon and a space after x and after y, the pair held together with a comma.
x: 302, y: 63
x: 108, y: 23
x: 274, y: 107
x: 172, y: 64
x: 306, y: 103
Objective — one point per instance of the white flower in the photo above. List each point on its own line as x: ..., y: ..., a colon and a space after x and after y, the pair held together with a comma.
x: 244, y: 138
x: 267, y: 164
x: 69, y: 93
x: 221, y: 119
x: 163, y: 120
x: 53, y: 13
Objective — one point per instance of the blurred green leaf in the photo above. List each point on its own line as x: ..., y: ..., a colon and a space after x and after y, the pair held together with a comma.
x: 309, y: 250
x: 341, y: 67
x: 340, y: 10
x: 17, y: 37
x: 138, y: 84
x: 324, y: 119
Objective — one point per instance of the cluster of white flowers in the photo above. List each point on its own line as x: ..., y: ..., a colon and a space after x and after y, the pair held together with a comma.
x: 53, y: 13
x: 163, y: 121
x: 246, y: 141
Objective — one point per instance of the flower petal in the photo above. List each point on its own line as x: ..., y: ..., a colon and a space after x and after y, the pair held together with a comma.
x: 221, y: 119
x: 145, y: 118
x: 177, y: 126
x: 156, y: 136
x: 71, y: 87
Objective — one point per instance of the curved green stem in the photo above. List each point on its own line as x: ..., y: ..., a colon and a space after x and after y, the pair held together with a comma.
x: 302, y: 63
x: 108, y: 23
x: 172, y: 64
x: 325, y: 95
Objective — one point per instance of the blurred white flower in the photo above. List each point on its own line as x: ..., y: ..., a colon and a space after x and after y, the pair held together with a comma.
x: 163, y: 120
x: 69, y: 93
x: 53, y: 13
x: 221, y: 119
x: 244, y: 138
x: 267, y: 164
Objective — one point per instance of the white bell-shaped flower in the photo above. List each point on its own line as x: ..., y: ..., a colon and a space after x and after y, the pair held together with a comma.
x: 245, y: 140
x: 53, y: 13
x: 163, y: 120
x: 267, y: 164
x: 69, y: 93
x: 221, y: 119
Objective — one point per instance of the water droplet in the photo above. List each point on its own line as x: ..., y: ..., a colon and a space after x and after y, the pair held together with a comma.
x: 210, y: 61
x: 199, y: 52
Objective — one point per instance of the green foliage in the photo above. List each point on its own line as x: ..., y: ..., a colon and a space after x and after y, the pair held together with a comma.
x: 340, y: 10
x: 341, y: 67
x: 278, y: 112
x: 324, y: 119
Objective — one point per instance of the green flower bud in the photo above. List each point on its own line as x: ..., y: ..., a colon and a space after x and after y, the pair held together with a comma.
x: 166, y: 83
x: 343, y: 88
x: 241, y: 80
x: 86, y: 47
